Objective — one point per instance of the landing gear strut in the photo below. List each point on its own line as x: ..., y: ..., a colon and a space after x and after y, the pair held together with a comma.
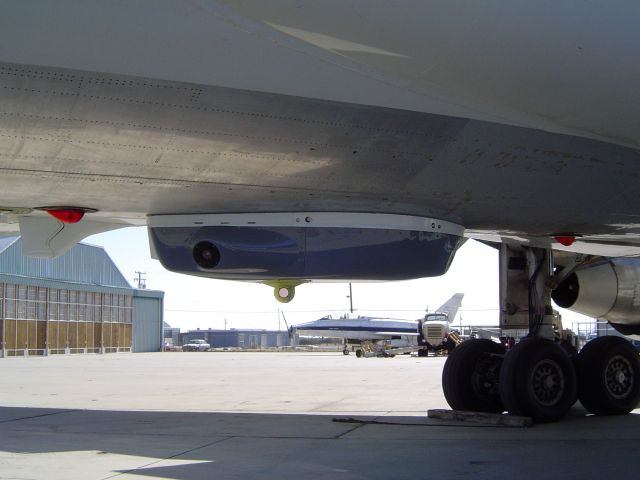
x: 537, y: 377
x: 540, y: 376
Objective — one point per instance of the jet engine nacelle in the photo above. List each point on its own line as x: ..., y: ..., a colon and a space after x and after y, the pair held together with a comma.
x: 609, y: 290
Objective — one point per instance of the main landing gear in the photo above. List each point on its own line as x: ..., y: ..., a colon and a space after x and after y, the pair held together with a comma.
x: 542, y: 376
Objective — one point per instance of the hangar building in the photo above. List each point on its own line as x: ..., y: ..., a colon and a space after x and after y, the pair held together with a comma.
x: 76, y: 303
x: 242, y: 338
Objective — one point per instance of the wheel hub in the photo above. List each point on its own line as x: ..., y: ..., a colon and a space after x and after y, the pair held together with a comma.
x: 619, y: 377
x: 547, y: 382
x: 485, y: 378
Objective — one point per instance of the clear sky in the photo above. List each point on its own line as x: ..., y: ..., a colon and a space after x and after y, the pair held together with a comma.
x: 193, y: 302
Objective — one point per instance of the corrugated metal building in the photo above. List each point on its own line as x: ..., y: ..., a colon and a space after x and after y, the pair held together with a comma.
x: 251, y: 339
x: 171, y: 335
x: 76, y: 303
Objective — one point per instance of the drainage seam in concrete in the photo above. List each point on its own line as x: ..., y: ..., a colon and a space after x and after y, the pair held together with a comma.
x: 38, y: 416
x: 132, y: 470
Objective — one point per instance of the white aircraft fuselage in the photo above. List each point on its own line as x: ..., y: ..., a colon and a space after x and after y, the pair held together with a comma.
x: 360, y: 328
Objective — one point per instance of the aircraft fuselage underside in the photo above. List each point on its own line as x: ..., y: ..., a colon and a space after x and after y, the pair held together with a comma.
x: 126, y: 144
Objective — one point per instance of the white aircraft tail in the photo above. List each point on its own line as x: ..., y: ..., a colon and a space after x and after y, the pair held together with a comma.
x: 451, y: 306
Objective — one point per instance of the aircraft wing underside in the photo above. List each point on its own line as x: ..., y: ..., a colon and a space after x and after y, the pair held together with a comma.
x: 132, y: 147
x: 131, y: 113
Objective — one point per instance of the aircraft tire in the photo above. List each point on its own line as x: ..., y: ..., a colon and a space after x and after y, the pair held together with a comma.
x: 359, y: 353
x: 538, y: 380
x: 470, y: 376
x: 449, y: 346
x: 609, y: 376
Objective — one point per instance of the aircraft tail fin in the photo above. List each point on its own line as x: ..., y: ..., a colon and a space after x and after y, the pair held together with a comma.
x: 451, y: 306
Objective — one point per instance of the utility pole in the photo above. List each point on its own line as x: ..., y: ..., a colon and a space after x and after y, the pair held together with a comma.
x: 350, y: 297
x: 142, y: 282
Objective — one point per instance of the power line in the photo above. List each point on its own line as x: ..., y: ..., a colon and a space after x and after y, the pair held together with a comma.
x: 323, y: 310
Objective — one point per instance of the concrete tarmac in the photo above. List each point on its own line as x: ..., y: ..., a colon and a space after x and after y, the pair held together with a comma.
x: 275, y: 416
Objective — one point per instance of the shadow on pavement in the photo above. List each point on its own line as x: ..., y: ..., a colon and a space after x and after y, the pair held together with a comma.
x: 57, y: 443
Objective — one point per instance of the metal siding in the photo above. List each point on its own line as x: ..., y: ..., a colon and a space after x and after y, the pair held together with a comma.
x: 231, y: 338
x: 147, y: 324
x: 6, y: 241
x: 61, y: 284
x: 83, y: 264
x: 225, y: 338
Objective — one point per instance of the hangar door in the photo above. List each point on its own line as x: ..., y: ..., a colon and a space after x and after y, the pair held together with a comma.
x: 40, y: 320
x: 147, y: 323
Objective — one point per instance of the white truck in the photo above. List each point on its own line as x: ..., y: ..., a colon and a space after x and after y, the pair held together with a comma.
x: 197, y: 345
x: 437, y: 335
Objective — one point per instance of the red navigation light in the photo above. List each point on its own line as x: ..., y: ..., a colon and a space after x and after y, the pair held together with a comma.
x: 67, y: 215
x: 565, y: 240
